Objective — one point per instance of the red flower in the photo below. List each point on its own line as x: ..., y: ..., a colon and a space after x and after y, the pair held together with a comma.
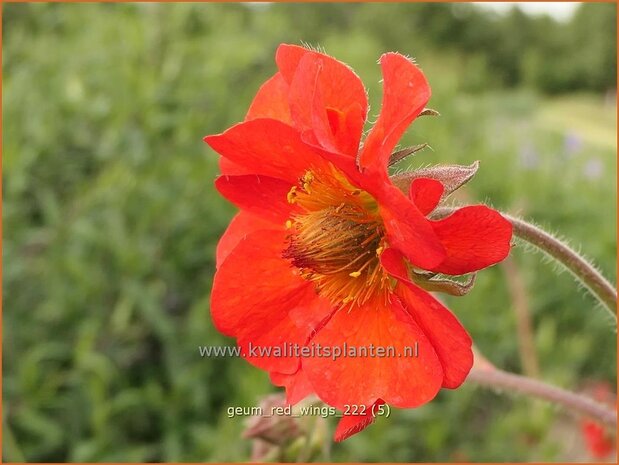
x: 324, y: 247
x: 599, y: 441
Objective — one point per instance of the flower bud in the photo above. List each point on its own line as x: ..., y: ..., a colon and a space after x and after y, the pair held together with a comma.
x: 273, y: 429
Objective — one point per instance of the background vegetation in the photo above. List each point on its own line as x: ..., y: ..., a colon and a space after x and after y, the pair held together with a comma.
x: 110, y: 217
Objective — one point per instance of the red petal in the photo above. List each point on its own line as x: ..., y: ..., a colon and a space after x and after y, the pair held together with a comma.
x: 267, y: 147
x: 353, y: 424
x: 243, y: 224
x: 349, y: 128
x: 297, y: 385
x: 274, y: 343
x: 405, y: 94
x: 255, y: 286
x: 426, y: 194
x: 341, y: 87
x: 450, y: 340
x: 404, y: 381
x: 287, y: 58
x: 261, y: 195
x: 408, y: 230
x: 307, y: 105
x: 271, y: 101
x: 320, y: 84
x: 473, y: 237
x: 229, y: 167
x: 259, y: 298
x: 392, y: 261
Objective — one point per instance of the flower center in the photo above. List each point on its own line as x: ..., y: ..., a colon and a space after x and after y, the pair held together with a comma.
x: 336, y: 238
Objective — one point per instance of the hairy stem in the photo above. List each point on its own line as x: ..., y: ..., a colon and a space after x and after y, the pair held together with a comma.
x: 584, y: 271
x: 576, y: 403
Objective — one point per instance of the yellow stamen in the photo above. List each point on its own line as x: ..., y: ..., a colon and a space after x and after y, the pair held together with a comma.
x: 335, y: 239
x: 307, y: 179
x: 292, y: 194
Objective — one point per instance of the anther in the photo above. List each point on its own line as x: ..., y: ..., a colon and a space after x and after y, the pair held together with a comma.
x: 355, y: 274
x: 292, y: 194
x: 307, y: 179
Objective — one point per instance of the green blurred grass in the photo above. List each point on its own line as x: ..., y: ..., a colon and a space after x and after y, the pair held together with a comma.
x: 111, y: 221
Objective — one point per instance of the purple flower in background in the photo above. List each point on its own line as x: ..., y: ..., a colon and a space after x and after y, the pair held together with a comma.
x: 572, y: 143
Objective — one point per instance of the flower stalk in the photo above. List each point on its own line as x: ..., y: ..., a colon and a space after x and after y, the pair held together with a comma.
x: 573, y: 402
x: 578, y: 266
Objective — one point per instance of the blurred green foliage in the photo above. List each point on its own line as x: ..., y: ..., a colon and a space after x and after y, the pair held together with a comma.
x: 110, y: 217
